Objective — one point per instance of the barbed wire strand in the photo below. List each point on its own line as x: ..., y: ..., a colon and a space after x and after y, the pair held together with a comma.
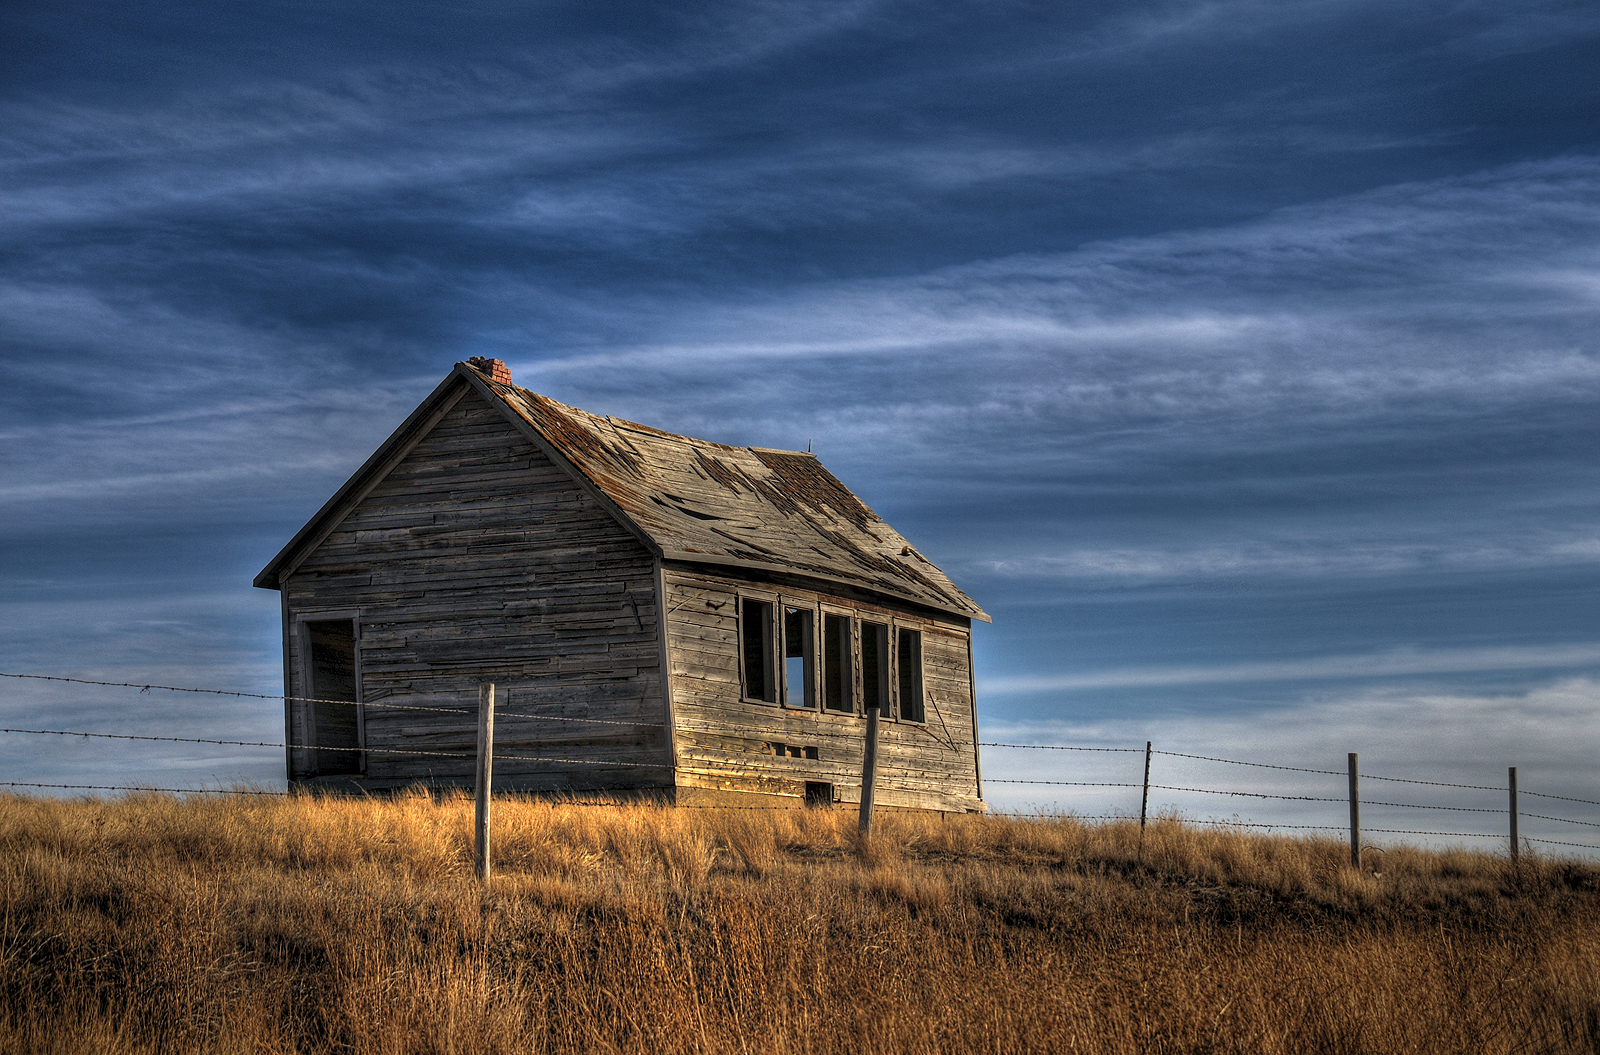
x: 1557, y: 842
x: 467, y: 710
x: 1417, y: 806
x: 121, y: 787
x: 1244, y: 794
x: 1431, y: 783
x: 1059, y: 747
x: 346, y: 750
x: 1043, y: 816
x: 1563, y: 820
x: 1563, y: 798
x: 1258, y: 765
x: 464, y: 710
x: 1064, y: 783
x: 180, y: 688
x: 1285, y: 827
x: 748, y: 767
x: 1452, y: 835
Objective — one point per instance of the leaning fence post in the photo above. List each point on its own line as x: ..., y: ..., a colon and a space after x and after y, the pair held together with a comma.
x: 1513, y: 775
x: 1144, y: 803
x: 1355, y: 811
x: 485, y: 775
x: 869, y: 770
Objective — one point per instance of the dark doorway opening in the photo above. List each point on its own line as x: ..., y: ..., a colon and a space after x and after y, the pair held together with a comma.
x: 335, y: 722
x: 819, y: 795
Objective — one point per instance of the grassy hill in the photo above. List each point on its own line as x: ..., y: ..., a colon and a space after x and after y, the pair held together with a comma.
x: 249, y: 924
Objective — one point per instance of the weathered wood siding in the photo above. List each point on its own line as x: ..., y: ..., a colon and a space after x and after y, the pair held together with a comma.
x: 477, y: 559
x: 725, y: 744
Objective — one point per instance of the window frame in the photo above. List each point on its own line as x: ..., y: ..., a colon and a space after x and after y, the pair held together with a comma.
x: 860, y: 621
x: 852, y: 678
x: 810, y: 683
x: 919, y: 675
x: 885, y: 666
x: 305, y: 683
x: 773, y: 664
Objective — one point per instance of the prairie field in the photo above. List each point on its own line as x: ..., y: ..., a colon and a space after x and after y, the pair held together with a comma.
x: 238, y: 923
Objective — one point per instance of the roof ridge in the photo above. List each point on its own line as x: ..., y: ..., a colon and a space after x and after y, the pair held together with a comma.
x: 782, y: 450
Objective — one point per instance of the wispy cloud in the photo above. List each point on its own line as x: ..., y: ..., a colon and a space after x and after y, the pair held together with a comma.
x: 1315, y: 558
x: 1400, y: 662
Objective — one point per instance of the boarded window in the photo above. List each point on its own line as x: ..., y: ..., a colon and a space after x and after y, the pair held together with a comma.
x: 909, y: 662
x: 332, y: 664
x: 875, y: 666
x: 756, y: 638
x: 836, y: 680
x: 799, y: 657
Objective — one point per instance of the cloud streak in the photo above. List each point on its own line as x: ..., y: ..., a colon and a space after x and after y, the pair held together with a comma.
x: 1397, y: 663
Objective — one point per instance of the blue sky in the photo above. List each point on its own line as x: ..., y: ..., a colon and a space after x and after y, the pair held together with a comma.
x: 1238, y: 357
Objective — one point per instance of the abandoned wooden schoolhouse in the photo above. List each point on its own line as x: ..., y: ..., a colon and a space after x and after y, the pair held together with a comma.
x: 660, y: 615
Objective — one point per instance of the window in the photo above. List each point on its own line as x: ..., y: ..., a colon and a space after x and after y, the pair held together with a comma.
x: 875, y: 666
x: 837, y: 683
x: 799, y: 657
x: 819, y: 796
x: 756, y: 638
x: 802, y: 656
x: 909, y: 664
x: 330, y: 664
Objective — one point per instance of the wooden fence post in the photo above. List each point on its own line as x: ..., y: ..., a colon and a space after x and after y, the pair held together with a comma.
x: 485, y: 776
x: 1355, y: 811
x: 869, y: 770
x: 1144, y: 803
x: 1513, y: 775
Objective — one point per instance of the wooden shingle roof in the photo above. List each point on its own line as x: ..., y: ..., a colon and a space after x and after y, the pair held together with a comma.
x: 694, y: 500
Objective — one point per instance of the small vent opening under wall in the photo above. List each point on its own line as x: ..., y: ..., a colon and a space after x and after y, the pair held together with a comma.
x: 819, y: 795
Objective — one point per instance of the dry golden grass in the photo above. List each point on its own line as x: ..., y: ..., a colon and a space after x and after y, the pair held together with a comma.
x: 240, y: 924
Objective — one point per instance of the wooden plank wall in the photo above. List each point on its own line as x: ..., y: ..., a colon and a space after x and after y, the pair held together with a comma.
x: 478, y: 559
x: 725, y: 744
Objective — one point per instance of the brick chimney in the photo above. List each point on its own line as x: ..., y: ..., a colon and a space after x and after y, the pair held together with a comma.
x: 495, y: 368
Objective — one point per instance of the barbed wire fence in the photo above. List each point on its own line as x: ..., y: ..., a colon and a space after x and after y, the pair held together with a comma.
x: 1509, y: 835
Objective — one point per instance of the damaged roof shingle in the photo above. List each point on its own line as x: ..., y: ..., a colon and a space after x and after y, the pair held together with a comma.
x: 704, y: 501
